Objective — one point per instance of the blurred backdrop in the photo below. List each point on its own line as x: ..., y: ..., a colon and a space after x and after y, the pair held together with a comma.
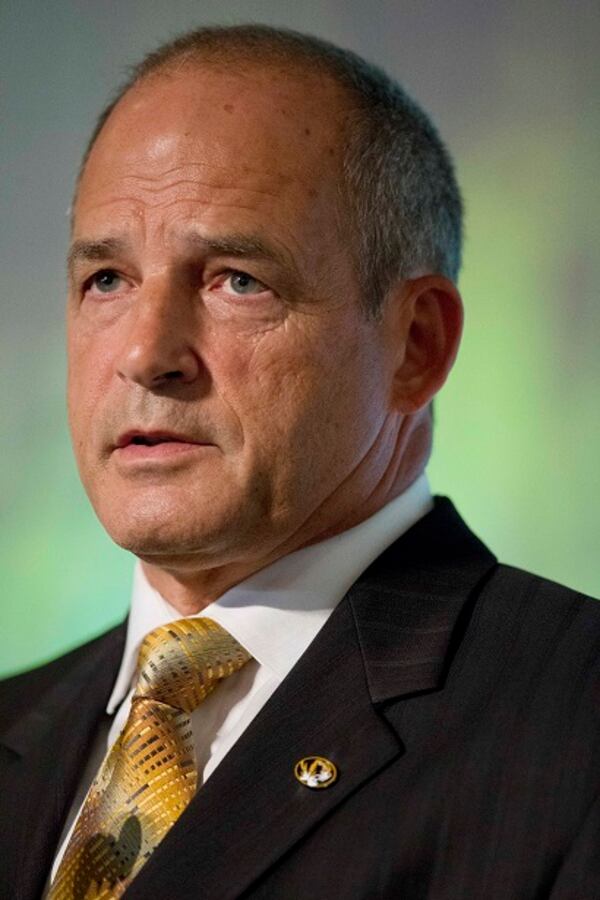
x: 513, y: 88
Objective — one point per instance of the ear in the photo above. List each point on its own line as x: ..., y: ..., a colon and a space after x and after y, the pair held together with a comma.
x: 424, y: 320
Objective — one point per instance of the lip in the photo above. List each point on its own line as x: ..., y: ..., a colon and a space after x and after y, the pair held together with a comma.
x: 138, y: 437
x: 138, y: 445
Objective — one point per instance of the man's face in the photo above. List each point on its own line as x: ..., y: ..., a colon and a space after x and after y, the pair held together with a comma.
x: 225, y: 388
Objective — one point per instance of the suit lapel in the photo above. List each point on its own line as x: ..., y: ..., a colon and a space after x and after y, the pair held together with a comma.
x: 412, y: 605
x: 46, y: 751
x: 392, y: 637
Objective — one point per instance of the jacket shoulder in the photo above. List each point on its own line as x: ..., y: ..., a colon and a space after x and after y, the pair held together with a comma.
x: 21, y: 691
x: 512, y: 581
x: 546, y: 635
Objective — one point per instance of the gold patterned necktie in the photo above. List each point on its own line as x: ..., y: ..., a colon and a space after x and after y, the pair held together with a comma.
x: 149, y: 775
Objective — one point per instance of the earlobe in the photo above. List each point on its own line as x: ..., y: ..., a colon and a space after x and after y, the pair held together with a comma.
x: 428, y: 324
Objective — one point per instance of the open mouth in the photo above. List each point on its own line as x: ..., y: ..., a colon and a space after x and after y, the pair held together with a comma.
x: 147, y: 441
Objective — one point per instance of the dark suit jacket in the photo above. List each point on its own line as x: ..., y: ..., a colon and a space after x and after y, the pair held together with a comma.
x: 459, y: 699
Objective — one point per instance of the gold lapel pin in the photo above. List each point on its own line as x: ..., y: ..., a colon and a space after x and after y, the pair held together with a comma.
x: 315, y: 772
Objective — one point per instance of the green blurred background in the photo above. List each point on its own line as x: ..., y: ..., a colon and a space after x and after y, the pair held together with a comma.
x: 513, y: 88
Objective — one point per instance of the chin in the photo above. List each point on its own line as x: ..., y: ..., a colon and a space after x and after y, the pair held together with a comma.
x: 164, y: 537
x: 170, y: 534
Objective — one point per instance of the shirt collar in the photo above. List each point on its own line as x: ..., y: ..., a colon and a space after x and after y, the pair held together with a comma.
x: 278, y: 611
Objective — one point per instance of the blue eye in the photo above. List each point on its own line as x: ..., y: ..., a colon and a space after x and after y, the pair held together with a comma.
x: 106, y: 281
x: 242, y: 283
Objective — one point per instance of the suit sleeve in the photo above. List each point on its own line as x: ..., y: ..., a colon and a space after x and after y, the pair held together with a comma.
x: 579, y: 875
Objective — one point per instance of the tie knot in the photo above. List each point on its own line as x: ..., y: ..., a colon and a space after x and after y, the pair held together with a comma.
x: 180, y: 663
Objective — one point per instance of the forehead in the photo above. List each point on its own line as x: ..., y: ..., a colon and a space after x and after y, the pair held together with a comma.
x: 201, y: 128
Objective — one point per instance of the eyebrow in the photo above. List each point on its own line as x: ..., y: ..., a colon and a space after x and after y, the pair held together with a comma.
x: 239, y: 244
x: 85, y: 251
x: 234, y: 244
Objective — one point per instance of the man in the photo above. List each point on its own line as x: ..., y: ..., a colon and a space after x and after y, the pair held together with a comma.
x: 266, y: 236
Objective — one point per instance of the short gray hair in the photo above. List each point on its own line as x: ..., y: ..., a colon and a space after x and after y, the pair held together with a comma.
x: 398, y: 178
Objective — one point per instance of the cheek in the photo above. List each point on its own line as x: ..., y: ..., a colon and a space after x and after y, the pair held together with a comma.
x: 292, y: 392
x: 276, y: 379
x: 88, y: 377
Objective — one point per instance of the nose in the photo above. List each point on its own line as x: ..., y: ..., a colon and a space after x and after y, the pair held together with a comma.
x: 158, y: 343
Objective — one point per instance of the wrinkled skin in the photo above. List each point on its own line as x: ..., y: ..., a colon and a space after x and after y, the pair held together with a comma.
x: 296, y: 417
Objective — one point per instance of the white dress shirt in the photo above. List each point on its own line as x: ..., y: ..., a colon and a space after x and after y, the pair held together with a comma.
x: 275, y: 614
